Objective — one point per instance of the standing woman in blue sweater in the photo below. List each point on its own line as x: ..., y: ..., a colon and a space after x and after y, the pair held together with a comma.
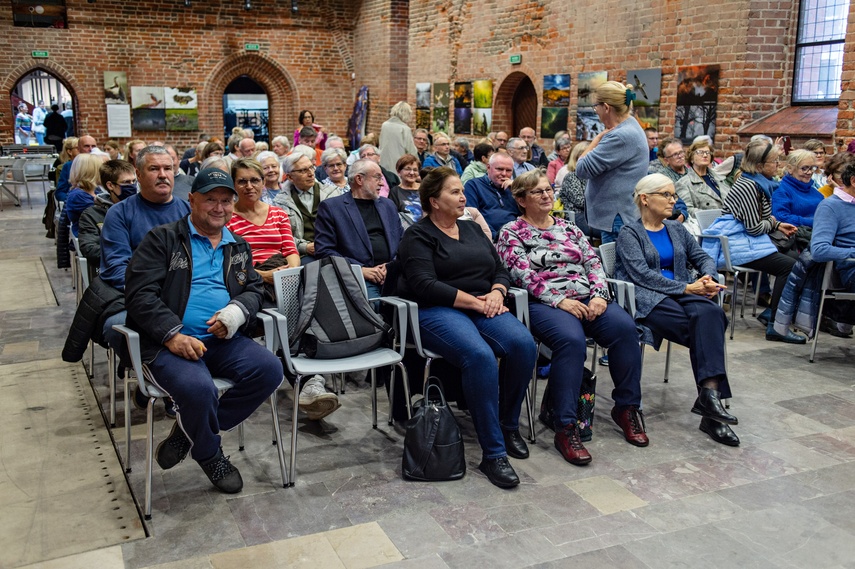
x: 614, y: 161
x: 796, y: 198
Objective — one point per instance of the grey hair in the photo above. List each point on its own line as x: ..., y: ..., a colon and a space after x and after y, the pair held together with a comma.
x: 796, y: 157
x: 331, y: 153
x: 649, y: 184
x: 303, y: 150
x: 233, y: 142
x: 514, y: 140
x: 283, y: 140
x: 335, y: 138
x: 496, y: 156
x: 292, y: 159
x: 366, y: 147
x: 402, y: 110
x: 151, y: 149
x: 216, y: 162
x: 462, y: 142
x: 359, y: 167
x: 264, y: 155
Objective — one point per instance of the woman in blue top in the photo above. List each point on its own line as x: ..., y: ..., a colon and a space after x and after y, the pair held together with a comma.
x: 655, y: 253
x: 614, y: 161
x: 796, y: 198
x: 84, y: 179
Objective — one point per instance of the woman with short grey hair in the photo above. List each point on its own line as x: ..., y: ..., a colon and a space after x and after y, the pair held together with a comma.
x: 396, y: 138
x: 334, y: 163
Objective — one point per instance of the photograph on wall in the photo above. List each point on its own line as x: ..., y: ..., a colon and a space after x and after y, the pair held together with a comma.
x: 647, y: 84
x: 423, y: 118
x: 648, y: 117
x: 180, y: 98
x: 149, y: 119
x: 697, y: 102
x: 440, y: 95
x: 39, y: 14
x: 115, y: 87
x: 147, y: 98
x: 440, y: 120
x: 462, y: 120
x: 462, y: 95
x: 553, y: 120
x: 182, y: 119
x: 482, y: 94
x: 588, y: 124
x: 482, y: 121
x: 588, y: 82
x: 556, y: 90
x: 422, y: 95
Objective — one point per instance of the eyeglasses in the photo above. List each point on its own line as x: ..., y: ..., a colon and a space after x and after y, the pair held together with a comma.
x: 335, y: 166
x: 410, y: 170
x: 539, y: 193
x: 808, y: 169
x: 246, y: 181
x: 376, y: 177
x: 670, y: 196
x: 519, y: 148
x: 367, y: 154
x: 420, y: 138
x: 681, y: 154
x: 703, y: 153
x: 303, y: 171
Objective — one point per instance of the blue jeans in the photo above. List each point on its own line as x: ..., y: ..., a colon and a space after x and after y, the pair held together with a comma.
x: 201, y: 414
x: 472, y: 342
x: 565, y: 335
x: 611, y: 236
x: 115, y: 339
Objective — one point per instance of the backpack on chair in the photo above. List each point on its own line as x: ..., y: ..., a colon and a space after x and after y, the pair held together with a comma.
x: 336, y: 319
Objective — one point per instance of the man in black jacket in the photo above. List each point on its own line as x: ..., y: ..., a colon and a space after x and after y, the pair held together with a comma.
x: 195, y: 313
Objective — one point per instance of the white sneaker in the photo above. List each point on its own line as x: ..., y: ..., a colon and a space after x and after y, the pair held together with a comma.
x: 315, y: 400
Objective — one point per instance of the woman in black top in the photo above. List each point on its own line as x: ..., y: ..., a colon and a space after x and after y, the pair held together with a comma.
x: 452, y: 270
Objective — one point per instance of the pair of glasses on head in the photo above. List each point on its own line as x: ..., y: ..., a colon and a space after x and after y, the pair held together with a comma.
x: 669, y: 196
x: 243, y: 182
x: 539, y: 193
x: 808, y: 169
x: 301, y: 171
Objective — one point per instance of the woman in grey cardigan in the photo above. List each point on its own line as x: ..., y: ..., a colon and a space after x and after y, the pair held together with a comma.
x: 655, y: 254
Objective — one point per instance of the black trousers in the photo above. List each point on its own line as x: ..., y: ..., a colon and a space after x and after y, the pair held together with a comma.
x: 699, y: 324
x: 779, y: 265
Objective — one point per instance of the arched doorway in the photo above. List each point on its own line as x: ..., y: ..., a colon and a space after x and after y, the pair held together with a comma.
x: 245, y: 104
x: 40, y: 85
x: 524, y: 106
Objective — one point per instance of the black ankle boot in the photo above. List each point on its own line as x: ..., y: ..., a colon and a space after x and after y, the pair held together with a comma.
x: 709, y: 405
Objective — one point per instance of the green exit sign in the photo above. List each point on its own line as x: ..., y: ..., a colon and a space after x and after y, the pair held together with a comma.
x: 252, y: 47
x: 516, y: 59
x: 40, y: 54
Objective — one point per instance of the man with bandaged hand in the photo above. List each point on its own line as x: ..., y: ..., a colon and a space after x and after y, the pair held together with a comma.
x: 191, y: 291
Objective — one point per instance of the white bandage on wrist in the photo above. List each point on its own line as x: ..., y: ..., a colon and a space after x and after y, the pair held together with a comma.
x: 232, y: 318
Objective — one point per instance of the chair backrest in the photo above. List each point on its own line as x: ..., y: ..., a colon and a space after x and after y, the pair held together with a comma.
x: 607, y: 255
x: 19, y: 170
x: 706, y: 217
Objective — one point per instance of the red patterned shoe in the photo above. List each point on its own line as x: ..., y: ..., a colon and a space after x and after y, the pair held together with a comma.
x: 570, y: 446
x: 631, y: 421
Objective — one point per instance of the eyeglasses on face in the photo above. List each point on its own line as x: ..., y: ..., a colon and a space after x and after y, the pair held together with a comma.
x: 808, y: 169
x: 539, y: 193
x: 703, y: 153
x: 303, y: 171
x: 410, y: 170
x: 681, y: 154
x: 243, y: 182
x: 376, y: 177
x: 369, y: 153
x: 670, y: 196
x: 336, y: 166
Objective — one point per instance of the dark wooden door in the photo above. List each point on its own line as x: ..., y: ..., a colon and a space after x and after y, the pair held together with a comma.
x: 524, y: 106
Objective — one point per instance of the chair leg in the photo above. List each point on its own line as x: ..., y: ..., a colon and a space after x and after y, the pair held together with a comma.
x: 744, y: 295
x: 277, y: 438
x: 341, y: 378
x: 733, y: 303
x: 127, y: 424
x: 241, y: 441
x: 816, y: 331
x: 374, y: 397
x: 427, y: 375
x: 111, y: 381
x: 756, y: 294
x: 406, y: 379
x: 294, y: 417
x: 667, y: 362
x: 392, y: 377
x: 149, y: 452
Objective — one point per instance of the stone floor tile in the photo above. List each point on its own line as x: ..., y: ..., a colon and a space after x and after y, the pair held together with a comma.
x: 107, y: 558
x: 363, y: 546
x: 826, y: 408
x: 689, y: 512
x: 797, y: 455
x: 605, y: 494
x: 616, y: 557
x: 416, y: 533
x: 598, y: 533
x: 518, y: 550
x: 431, y: 561
x: 519, y: 517
x: 831, y: 479
x: 193, y: 563
x: 309, y: 552
x: 837, y: 509
x: 467, y: 524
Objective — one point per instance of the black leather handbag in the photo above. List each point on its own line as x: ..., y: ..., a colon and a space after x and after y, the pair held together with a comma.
x: 433, y: 446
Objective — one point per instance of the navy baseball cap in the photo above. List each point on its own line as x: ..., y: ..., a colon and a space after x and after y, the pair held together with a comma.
x: 211, y: 179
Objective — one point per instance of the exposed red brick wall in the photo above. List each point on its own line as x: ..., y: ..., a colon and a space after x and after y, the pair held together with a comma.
x: 305, y: 59
x: 846, y: 114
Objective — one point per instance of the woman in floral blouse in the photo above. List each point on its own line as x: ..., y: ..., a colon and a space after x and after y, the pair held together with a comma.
x: 568, y: 301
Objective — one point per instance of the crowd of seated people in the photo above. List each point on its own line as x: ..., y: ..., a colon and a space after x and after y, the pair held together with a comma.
x: 461, y: 236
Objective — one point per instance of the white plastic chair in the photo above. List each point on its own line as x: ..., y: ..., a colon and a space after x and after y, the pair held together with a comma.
x: 287, y: 285
x: 151, y: 392
x: 831, y: 289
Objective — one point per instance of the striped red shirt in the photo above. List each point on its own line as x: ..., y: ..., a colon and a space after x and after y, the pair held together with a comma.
x: 268, y: 239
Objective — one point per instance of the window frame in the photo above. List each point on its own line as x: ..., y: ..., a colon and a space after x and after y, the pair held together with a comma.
x: 798, y: 47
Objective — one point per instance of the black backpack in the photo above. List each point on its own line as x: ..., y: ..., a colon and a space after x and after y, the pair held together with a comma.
x: 335, y: 320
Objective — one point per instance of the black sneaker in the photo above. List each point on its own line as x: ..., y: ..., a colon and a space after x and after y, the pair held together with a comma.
x: 173, y: 449
x: 222, y: 473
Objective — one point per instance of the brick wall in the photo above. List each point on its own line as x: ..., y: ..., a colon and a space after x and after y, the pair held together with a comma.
x: 752, y: 41
x: 846, y: 114
x: 305, y: 60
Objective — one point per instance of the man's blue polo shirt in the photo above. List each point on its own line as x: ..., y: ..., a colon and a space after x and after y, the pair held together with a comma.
x: 208, y: 292
x: 497, y: 205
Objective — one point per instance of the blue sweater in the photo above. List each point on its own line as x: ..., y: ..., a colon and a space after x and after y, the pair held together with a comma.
x: 612, y: 169
x: 833, y: 237
x: 497, y: 205
x: 62, y: 184
x: 795, y: 202
x: 76, y: 203
x: 125, y: 225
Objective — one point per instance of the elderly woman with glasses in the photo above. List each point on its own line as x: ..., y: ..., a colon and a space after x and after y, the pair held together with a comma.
x: 272, y: 175
x: 267, y: 229
x: 334, y: 163
x: 702, y: 187
x: 796, y: 198
x: 569, y: 300
x: 656, y: 254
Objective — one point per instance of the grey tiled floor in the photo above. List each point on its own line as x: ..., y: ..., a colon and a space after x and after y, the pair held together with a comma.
x: 785, y: 498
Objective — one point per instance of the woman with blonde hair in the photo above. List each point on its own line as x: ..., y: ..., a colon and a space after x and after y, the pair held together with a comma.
x: 614, y: 162
x: 396, y: 138
x: 656, y: 254
x: 702, y: 187
x: 796, y: 198
x: 83, y: 179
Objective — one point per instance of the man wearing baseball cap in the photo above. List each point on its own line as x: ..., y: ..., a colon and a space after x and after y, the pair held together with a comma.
x: 191, y: 291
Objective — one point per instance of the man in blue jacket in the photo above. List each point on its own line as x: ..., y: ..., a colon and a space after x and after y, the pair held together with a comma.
x: 491, y: 194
